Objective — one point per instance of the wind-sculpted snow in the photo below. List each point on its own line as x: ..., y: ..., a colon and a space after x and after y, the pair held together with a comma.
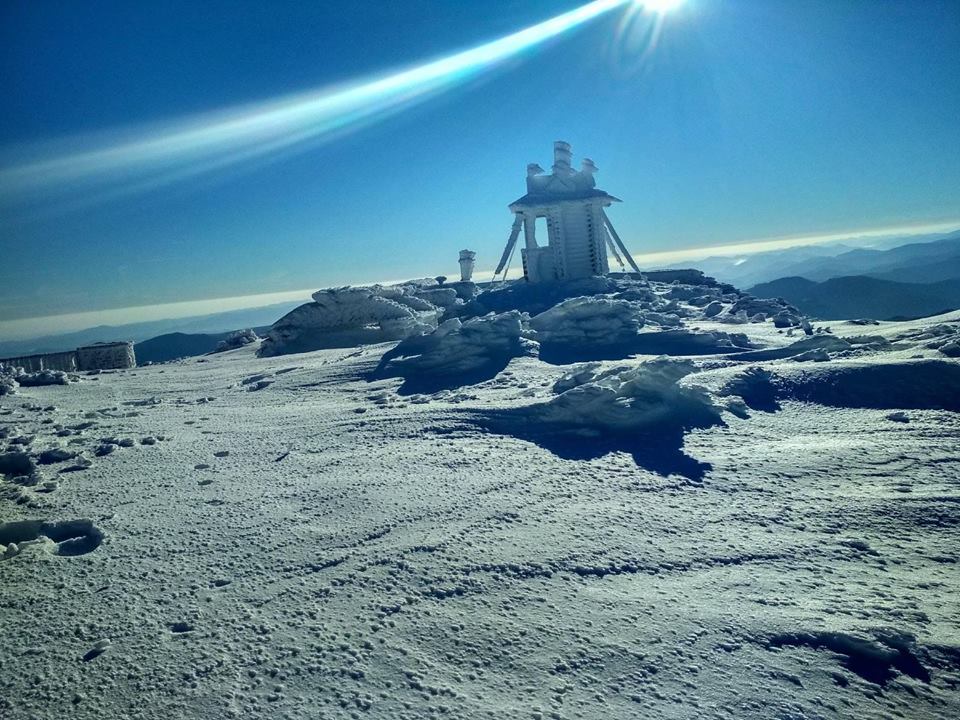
x: 457, y: 353
x: 927, y: 384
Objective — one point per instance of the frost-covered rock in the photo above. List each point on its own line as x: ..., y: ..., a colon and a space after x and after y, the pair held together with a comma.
x: 8, y: 380
x: 458, y: 350
x: 714, y: 308
x: 348, y: 316
x: 769, y: 307
x: 951, y: 349
x: 589, y: 321
x: 12, y: 377
x: 647, y: 399
x: 441, y: 297
x: 786, y: 319
x: 238, y: 339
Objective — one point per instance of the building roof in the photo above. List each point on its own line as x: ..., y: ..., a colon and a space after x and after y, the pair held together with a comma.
x: 548, y: 198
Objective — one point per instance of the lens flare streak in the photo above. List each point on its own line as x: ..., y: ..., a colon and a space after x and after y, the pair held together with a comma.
x: 211, y: 141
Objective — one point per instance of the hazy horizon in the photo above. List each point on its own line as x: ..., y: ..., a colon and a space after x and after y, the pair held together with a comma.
x: 23, y: 329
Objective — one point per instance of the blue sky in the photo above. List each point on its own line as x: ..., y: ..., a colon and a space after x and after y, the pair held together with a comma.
x: 748, y: 120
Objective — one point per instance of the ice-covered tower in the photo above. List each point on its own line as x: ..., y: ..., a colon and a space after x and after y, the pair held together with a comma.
x: 467, y: 259
x: 578, y: 229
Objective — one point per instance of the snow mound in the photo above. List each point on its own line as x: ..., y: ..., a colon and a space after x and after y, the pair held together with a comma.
x: 535, y: 298
x: 584, y: 319
x: 349, y: 316
x: 238, y: 339
x: 457, y: 352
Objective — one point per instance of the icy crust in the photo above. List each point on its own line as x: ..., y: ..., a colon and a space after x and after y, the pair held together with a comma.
x: 457, y: 351
x: 349, y: 316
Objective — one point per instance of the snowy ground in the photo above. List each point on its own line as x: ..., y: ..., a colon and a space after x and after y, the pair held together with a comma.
x: 300, y: 541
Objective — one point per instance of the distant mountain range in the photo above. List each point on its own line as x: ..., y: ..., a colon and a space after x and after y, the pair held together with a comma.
x: 929, y: 259
x: 859, y: 296
x: 911, y: 279
x: 178, y: 345
x: 208, y: 325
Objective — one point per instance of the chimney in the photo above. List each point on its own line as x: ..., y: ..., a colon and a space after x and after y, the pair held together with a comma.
x: 467, y: 258
x: 561, y: 158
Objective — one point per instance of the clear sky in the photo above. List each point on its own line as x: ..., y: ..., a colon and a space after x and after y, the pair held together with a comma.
x: 748, y: 119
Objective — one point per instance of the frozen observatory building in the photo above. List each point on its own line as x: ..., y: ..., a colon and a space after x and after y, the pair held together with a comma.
x: 578, y: 229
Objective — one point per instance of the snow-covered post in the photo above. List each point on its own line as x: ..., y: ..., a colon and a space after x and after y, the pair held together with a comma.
x: 466, y: 264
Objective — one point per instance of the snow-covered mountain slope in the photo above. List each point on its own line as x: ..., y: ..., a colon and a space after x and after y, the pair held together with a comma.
x: 767, y: 531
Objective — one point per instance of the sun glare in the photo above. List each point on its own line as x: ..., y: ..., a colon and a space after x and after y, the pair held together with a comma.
x: 659, y: 6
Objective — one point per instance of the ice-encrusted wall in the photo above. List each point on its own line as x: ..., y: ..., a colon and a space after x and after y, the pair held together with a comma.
x: 102, y: 356
x: 106, y: 356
